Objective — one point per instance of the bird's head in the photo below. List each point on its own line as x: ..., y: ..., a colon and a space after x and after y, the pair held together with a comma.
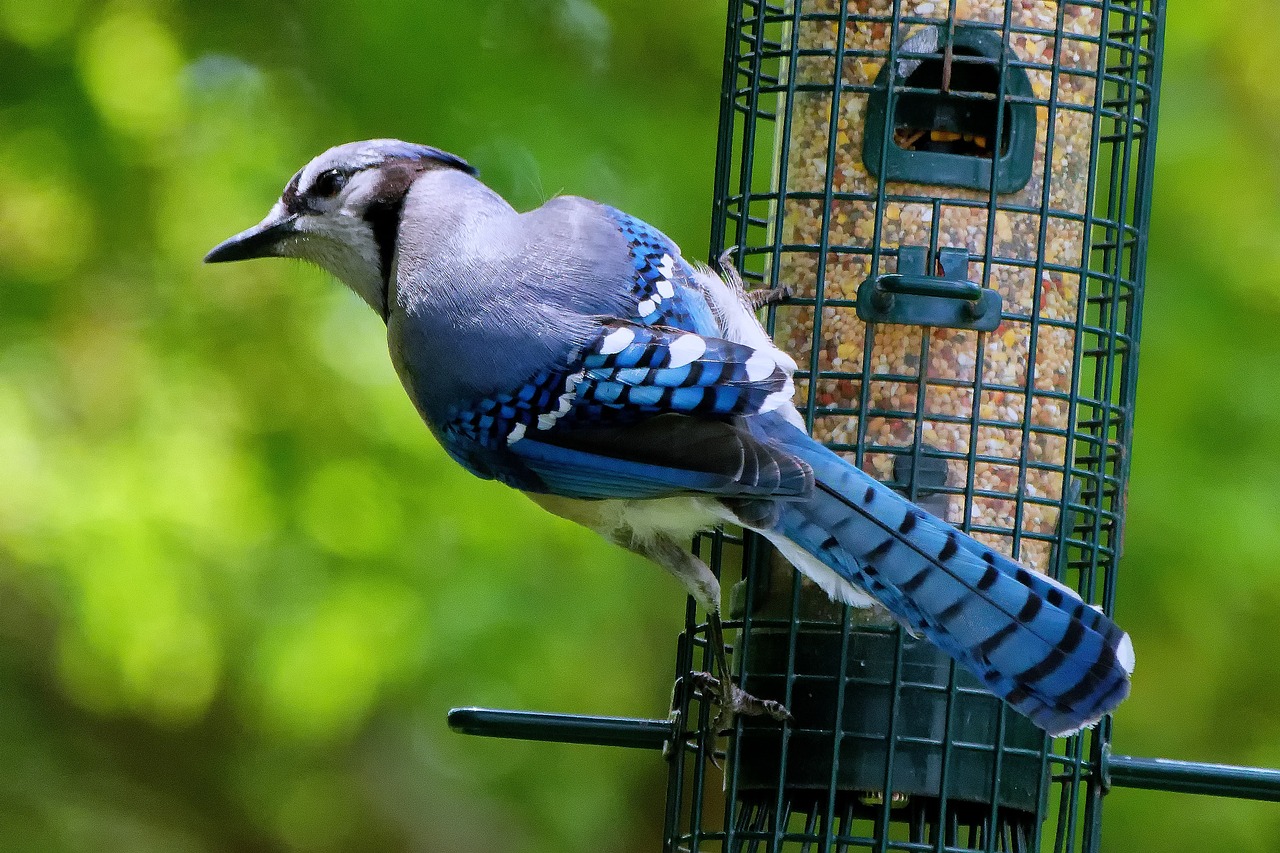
x: 342, y: 213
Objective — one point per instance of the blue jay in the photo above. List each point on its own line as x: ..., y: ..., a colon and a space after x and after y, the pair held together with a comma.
x: 572, y: 353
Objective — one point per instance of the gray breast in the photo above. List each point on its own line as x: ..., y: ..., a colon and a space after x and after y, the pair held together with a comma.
x: 485, y: 298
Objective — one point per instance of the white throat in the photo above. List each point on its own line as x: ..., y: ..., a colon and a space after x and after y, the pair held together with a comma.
x: 344, y: 246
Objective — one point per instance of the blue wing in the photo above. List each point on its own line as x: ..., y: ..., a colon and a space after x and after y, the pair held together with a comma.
x: 640, y: 412
x: 664, y: 285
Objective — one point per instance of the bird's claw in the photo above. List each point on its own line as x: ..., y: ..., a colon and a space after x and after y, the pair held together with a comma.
x: 771, y: 296
x: 724, y: 261
x: 757, y: 299
x: 733, y: 700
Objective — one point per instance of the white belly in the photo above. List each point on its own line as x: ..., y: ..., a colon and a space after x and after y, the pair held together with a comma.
x: 636, y: 522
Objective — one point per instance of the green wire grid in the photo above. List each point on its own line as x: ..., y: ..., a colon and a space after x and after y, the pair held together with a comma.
x: 762, y: 86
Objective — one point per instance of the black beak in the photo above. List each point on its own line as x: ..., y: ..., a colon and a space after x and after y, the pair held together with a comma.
x: 260, y: 241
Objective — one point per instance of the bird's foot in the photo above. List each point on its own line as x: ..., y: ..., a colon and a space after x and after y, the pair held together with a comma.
x: 733, y: 701
x: 757, y: 299
x: 720, y: 688
x: 771, y: 296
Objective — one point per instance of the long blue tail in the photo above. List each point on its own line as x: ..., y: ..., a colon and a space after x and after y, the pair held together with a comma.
x: 1031, y: 640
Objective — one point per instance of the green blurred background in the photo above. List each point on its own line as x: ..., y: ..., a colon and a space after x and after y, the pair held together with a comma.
x: 239, y: 583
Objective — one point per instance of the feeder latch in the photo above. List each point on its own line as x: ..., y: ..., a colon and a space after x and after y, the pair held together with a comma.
x: 912, y: 297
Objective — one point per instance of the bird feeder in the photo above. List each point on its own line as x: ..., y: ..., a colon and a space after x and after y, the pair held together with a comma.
x: 956, y: 194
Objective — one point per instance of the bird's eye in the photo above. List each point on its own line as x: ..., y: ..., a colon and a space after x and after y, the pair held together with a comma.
x: 327, y: 183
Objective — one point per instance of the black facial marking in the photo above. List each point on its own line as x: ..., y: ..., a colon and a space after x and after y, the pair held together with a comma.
x: 383, y: 216
x: 386, y: 206
x: 291, y: 198
x: 326, y: 185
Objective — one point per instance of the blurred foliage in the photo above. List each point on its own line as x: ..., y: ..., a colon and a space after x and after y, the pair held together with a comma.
x: 240, y: 585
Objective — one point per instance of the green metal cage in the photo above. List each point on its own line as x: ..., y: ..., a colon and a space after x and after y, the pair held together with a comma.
x: 955, y: 193
x: 981, y: 359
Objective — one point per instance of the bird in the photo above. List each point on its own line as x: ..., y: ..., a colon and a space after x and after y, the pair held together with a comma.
x: 573, y: 353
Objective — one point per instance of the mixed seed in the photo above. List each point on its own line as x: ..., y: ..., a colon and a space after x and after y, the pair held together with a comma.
x: 1000, y: 398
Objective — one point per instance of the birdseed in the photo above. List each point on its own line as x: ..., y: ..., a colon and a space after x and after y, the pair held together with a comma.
x: 1000, y: 398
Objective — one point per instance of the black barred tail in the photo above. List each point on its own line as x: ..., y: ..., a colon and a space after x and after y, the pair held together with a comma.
x: 1031, y: 640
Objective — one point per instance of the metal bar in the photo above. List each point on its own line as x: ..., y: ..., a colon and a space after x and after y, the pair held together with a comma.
x: 1193, y: 777
x: 1120, y: 771
x: 631, y: 732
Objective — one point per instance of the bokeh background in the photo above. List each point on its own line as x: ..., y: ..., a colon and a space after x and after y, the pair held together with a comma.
x: 239, y: 583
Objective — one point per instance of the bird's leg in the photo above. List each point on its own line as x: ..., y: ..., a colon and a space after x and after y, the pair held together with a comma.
x: 716, y: 685
x: 733, y: 700
x: 757, y: 299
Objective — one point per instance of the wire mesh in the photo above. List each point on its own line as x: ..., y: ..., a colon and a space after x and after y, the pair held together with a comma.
x: 855, y: 135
